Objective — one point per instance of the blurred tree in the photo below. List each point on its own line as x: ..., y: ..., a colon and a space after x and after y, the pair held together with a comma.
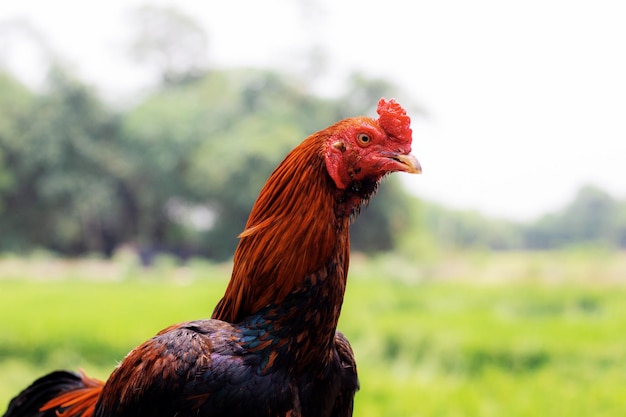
x: 16, y: 103
x: 162, y: 137
x: 264, y: 121
x: 620, y: 229
x: 173, y: 43
x: 383, y: 222
x: 459, y: 229
x: 178, y: 172
x: 62, y: 161
x: 592, y: 217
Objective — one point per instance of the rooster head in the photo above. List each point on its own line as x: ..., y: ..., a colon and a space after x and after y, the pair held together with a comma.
x: 361, y: 148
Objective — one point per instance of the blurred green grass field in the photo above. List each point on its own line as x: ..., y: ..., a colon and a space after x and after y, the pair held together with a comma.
x: 511, y: 334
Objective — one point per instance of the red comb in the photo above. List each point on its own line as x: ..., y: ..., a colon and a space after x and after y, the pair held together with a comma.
x: 394, y: 121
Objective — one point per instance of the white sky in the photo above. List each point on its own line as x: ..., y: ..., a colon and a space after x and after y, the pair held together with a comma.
x: 527, y: 99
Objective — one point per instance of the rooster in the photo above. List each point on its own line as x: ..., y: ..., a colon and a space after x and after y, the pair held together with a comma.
x: 271, y: 347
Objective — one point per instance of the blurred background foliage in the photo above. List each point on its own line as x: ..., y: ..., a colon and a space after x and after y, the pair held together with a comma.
x: 178, y: 169
x: 451, y: 313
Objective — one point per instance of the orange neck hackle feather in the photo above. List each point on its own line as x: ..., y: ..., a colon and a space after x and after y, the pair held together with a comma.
x: 287, y: 236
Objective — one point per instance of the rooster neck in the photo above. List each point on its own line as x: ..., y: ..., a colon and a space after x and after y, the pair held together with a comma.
x: 298, y: 230
x: 299, y: 332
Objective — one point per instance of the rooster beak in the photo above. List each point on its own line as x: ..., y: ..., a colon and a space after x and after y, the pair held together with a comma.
x: 410, y: 163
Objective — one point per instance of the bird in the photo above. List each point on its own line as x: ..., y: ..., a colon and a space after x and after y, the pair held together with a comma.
x: 271, y: 346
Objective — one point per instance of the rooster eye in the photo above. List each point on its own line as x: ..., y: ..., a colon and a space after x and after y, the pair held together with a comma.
x: 364, y: 138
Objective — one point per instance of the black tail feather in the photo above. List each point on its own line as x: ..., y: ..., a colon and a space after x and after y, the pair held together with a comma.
x: 29, y: 401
